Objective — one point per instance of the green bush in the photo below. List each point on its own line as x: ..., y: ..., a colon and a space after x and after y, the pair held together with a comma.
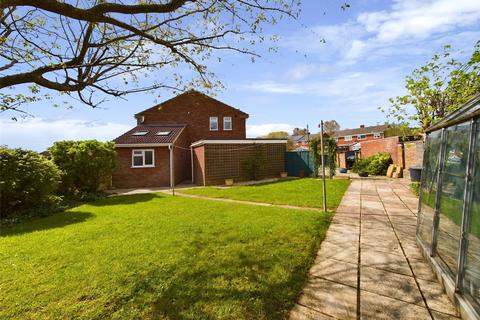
x: 27, y: 180
x: 379, y: 163
x: 360, y: 165
x: 375, y: 165
x: 87, y: 165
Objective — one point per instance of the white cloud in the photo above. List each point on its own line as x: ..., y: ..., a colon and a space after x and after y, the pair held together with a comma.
x: 301, y: 71
x: 257, y: 130
x: 273, y: 87
x: 420, y: 19
x: 39, y: 134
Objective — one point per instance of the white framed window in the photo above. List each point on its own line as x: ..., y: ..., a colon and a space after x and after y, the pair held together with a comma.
x: 144, y: 158
x: 361, y: 137
x: 227, y: 123
x: 348, y: 138
x: 377, y: 135
x: 213, y: 123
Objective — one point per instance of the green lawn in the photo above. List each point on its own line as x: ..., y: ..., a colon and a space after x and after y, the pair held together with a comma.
x: 154, y: 256
x: 297, y: 192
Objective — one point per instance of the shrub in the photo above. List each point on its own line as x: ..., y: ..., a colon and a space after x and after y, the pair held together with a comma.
x: 379, y: 163
x: 375, y: 165
x: 27, y: 180
x: 360, y: 165
x: 87, y: 165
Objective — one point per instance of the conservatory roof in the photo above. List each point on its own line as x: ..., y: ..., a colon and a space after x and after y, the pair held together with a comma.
x: 470, y: 110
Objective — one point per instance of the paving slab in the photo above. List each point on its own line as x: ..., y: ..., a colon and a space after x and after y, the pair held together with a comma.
x: 331, y: 298
x: 369, y: 265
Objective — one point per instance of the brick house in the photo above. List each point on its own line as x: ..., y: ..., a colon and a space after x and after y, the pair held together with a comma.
x: 348, y: 142
x: 159, y: 150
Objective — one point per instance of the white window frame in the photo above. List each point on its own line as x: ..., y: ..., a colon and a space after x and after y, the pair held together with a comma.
x: 143, y: 158
x: 348, y: 138
x: 377, y: 135
x: 359, y: 137
x: 213, y: 120
x: 230, y: 121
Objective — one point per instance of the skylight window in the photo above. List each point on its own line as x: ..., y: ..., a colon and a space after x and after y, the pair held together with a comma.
x: 163, y: 133
x: 139, y: 133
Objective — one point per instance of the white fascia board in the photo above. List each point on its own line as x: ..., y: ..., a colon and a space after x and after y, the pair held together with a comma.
x: 141, y: 145
x: 245, y: 141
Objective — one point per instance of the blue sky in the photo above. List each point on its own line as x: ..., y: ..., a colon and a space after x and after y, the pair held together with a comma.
x: 368, y: 51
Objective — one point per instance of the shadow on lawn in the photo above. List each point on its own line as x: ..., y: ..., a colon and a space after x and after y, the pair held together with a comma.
x: 57, y: 220
x: 127, y: 199
x: 243, y: 283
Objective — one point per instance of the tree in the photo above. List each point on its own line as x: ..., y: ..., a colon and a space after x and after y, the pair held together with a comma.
x: 277, y: 135
x: 330, y: 153
x: 400, y: 129
x: 300, y: 132
x: 331, y: 126
x: 95, y: 49
x: 440, y: 86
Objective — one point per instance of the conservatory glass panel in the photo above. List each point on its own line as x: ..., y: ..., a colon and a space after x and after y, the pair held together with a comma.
x: 429, y: 185
x: 471, y: 284
x: 451, y: 198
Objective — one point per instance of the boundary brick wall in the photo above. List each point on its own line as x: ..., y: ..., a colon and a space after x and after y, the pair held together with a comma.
x: 413, y: 153
x: 372, y: 147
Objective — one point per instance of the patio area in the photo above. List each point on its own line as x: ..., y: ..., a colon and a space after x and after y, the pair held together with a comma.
x: 369, y: 266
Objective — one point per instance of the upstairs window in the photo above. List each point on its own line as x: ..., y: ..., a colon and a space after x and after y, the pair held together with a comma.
x: 227, y: 123
x: 142, y: 158
x: 377, y: 135
x: 362, y: 137
x: 213, y: 123
x: 348, y: 138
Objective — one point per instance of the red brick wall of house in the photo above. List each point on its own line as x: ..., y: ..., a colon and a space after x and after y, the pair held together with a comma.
x: 372, y: 147
x: 182, y: 159
x: 127, y: 177
x: 194, y: 110
x: 341, y: 140
x: 199, y: 164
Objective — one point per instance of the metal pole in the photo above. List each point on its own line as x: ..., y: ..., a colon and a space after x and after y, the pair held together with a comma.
x: 172, y: 178
x: 436, y: 215
x: 467, y: 209
x: 323, y: 168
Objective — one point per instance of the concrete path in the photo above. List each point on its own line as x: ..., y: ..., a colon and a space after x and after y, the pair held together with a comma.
x: 369, y: 266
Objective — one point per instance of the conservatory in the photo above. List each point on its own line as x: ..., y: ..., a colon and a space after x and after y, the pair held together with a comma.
x: 448, y: 228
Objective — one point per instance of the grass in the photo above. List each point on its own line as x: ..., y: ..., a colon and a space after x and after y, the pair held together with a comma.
x: 154, y: 256
x: 296, y: 192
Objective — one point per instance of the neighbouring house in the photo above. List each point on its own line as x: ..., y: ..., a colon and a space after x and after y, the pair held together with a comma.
x: 348, y: 142
x: 301, y: 142
x: 171, y: 144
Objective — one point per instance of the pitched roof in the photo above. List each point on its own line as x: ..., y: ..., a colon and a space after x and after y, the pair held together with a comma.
x: 364, y: 130
x: 192, y: 92
x: 169, y: 133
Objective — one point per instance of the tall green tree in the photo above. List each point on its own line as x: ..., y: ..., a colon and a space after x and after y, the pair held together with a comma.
x: 437, y: 88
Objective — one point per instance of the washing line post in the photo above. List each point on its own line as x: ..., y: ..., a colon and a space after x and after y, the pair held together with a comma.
x: 323, y: 168
x: 172, y: 178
